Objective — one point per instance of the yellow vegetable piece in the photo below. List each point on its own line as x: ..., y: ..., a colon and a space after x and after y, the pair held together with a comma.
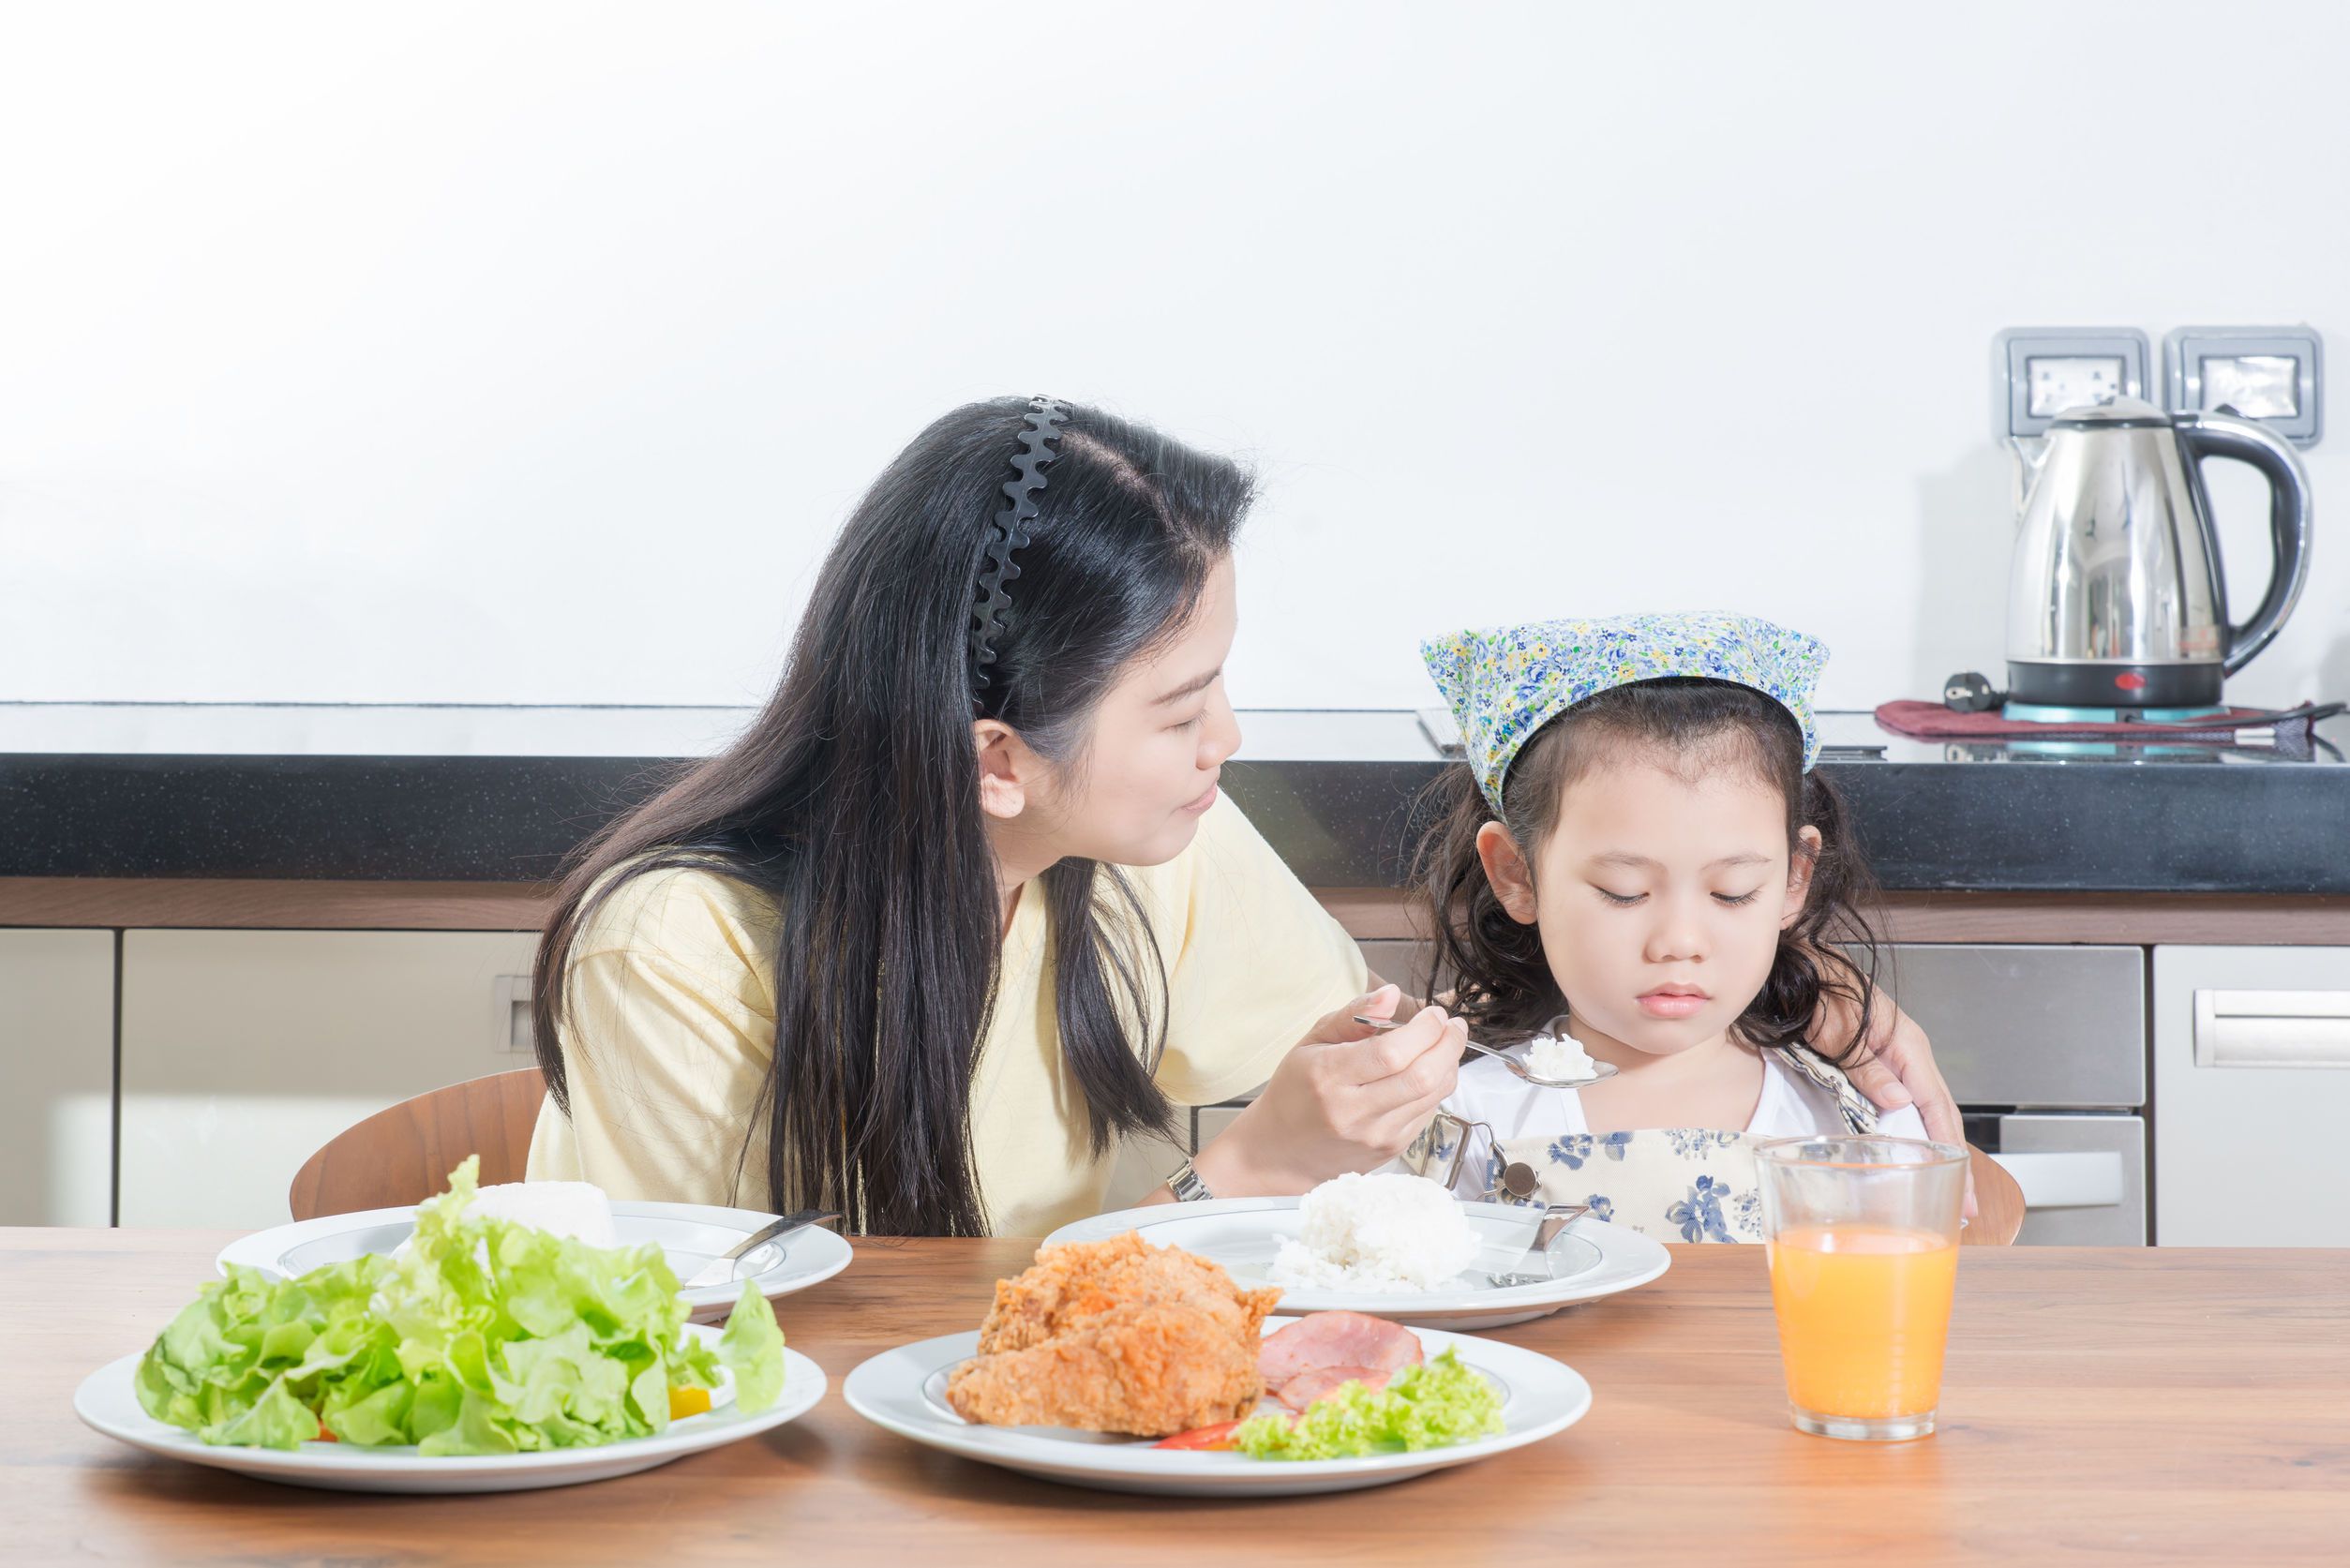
x: 688, y: 1401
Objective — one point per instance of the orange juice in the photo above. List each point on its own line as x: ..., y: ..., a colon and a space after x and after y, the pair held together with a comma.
x: 1864, y: 1311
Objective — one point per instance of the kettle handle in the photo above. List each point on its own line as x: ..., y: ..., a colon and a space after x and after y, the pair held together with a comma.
x: 2214, y: 435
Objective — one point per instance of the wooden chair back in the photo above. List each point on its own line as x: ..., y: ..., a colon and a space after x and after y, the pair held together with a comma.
x: 404, y: 1153
x: 1999, y: 1203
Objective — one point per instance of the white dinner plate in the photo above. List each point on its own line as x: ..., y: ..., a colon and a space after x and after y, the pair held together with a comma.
x: 1590, y: 1259
x: 691, y: 1234
x: 108, y: 1403
x: 905, y: 1391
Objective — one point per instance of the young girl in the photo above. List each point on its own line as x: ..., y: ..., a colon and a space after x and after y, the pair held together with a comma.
x: 1637, y: 865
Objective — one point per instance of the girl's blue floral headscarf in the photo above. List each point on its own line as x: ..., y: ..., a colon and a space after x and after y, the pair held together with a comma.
x: 1505, y: 685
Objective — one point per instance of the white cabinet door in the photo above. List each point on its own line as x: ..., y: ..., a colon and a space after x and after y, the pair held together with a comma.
x: 56, y: 1077
x: 2252, y: 1091
x: 244, y: 1051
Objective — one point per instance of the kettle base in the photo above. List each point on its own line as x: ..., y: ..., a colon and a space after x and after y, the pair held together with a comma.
x: 2026, y: 713
x: 2068, y: 684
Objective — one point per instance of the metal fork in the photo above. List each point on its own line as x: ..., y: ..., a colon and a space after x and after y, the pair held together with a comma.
x: 1555, y: 1219
x: 1598, y: 1070
x: 721, y: 1271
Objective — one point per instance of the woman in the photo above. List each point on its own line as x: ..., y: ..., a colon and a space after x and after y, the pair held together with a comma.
x: 963, y: 906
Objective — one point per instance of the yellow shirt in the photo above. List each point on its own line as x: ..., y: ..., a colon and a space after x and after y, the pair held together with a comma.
x: 672, y: 1024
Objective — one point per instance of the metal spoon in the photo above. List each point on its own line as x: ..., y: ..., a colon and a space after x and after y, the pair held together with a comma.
x: 1598, y: 1070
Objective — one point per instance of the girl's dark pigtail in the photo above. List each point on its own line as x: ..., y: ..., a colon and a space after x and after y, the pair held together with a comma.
x: 1832, y: 950
x: 1490, y: 965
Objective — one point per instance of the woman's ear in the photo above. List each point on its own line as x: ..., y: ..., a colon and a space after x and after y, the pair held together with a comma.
x: 1506, y: 869
x: 1007, y: 768
x: 1800, y: 865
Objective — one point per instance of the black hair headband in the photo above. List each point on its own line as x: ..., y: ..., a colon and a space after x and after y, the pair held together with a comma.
x: 1010, y: 532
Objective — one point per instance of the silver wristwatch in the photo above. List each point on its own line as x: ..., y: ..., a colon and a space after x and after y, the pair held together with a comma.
x: 1186, y: 1185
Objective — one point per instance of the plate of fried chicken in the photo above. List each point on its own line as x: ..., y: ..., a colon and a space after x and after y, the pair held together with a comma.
x: 1118, y: 1365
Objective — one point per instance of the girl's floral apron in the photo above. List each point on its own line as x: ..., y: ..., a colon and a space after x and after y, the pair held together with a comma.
x: 1672, y: 1184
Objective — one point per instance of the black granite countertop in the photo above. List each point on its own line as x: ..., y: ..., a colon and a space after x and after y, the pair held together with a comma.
x: 502, y: 793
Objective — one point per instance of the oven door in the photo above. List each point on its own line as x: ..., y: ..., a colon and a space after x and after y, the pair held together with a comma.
x: 2083, y: 1173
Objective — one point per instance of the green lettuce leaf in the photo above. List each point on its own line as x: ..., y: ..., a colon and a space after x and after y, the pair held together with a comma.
x: 485, y: 1336
x: 753, y: 1350
x: 1427, y: 1406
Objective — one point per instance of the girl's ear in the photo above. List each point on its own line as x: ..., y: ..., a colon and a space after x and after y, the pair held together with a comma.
x: 1800, y: 866
x: 1506, y: 869
x: 1007, y: 768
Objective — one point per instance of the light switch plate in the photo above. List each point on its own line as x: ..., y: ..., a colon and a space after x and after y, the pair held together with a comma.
x: 2275, y: 375
x: 2037, y: 373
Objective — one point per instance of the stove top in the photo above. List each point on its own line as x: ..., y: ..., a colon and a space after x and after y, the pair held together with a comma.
x: 1850, y: 736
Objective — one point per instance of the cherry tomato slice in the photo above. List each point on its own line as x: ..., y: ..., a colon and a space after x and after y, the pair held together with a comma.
x: 1206, y: 1439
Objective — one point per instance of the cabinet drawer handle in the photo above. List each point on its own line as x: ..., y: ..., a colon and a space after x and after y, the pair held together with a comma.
x: 2087, y: 1180
x: 2272, y: 1028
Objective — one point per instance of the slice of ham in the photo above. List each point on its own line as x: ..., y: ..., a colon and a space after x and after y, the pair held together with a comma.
x: 1326, y: 1339
x: 1309, y: 1388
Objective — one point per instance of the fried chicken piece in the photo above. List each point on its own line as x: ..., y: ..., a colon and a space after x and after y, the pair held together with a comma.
x: 1116, y: 1336
x: 1082, y: 1281
x: 1149, y: 1370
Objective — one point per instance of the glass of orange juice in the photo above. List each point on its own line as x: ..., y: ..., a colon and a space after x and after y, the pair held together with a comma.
x: 1861, y: 1235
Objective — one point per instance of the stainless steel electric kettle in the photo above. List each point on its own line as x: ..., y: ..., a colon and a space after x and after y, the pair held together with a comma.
x: 2117, y: 598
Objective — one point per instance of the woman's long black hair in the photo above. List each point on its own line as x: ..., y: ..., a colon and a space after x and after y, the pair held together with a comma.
x: 1494, y: 966
x: 852, y: 801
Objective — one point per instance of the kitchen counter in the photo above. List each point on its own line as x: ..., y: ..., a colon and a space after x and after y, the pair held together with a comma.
x: 499, y: 795
x: 2099, y: 1406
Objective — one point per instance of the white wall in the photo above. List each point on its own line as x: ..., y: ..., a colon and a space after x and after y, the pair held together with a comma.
x: 530, y: 352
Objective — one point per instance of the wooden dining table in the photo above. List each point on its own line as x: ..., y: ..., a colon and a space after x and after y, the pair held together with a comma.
x: 2109, y: 1406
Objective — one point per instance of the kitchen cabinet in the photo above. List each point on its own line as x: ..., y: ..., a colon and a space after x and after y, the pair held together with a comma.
x: 2044, y: 1047
x: 244, y: 1051
x: 1142, y: 1164
x: 2252, y: 1090
x: 1404, y: 961
x: 56, y: 1077
x: 2029, y: 1024
x: 1145, y: 1163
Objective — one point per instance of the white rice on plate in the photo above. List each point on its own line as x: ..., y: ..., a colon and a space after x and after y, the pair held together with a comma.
x: 1378, y: 1235
x: 579, y: 1210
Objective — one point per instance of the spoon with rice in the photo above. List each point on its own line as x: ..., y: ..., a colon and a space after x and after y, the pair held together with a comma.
x: 1540, y: 1079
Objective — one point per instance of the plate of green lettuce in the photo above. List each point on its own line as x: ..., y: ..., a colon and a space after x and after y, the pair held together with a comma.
x: 489, y: 1355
